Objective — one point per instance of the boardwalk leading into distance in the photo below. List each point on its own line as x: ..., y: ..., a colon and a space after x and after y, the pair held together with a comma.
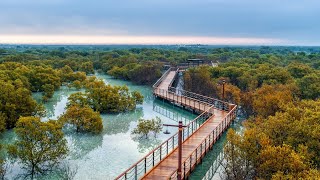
x: 198, y: 136
x: 168, y: 166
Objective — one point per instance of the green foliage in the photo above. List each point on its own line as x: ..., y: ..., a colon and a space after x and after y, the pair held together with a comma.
x: 2, y: 122
x: 297, y: 125
x: 107, y: 98
x: 83, y: 118
x: 19, y: 80
x: 137, y: 96
x: 48, y: 91
x: 79, y: 99
x: 138, y: 73
x: 199, y: 80
x: 269, y: 99
x: 40, y: 145
x: 3, y: 167
x: 87, y: 67
x: 298, y: 70
x: 40, y: 76
x: 284, y: 145
x: 67, y: 75
x: 239, y: 159
x: 146, y: 126
x: 310, y: 86
x: 15, y: 101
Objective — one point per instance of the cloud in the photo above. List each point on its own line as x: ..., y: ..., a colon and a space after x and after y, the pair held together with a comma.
x: 69, y: 39
x: 293, y: 20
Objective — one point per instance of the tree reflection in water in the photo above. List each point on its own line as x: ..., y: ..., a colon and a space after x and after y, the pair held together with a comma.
x: 120, y: 123
x: 80, y: 144
x: 146, y: 144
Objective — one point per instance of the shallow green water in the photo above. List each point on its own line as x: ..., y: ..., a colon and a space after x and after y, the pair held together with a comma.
x: 213, y: 158
x: 108, y: 154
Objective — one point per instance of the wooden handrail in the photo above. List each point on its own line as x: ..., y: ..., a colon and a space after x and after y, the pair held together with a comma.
x: 196, y: 98
x: 227, y: 116
x: 172, y: 137
x: 174, y: 78
x: 161, y: 78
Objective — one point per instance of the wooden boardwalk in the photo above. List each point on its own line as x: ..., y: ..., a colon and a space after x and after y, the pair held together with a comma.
x: 168, y: 166
x: 167, y: 81
x: 198, y: 137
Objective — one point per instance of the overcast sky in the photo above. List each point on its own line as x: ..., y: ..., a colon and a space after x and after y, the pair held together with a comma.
x: 288, y: 22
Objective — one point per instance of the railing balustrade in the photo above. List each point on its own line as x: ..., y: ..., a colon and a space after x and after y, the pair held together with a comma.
x: 197, y: 154
x: 204, y: 104
x: 221, y: 105
x: 154, y: 157
x: 162, y: 77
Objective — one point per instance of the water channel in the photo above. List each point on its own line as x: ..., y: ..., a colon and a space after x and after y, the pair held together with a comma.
x: 108, y: 154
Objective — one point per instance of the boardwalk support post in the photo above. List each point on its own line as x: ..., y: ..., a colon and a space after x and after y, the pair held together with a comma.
x: 223, y: 83
x: 180, y: 150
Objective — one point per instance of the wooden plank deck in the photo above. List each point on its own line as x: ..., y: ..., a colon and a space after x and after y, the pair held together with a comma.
x: 166, y: 82
x: 195, y: 144
x: 170, y: 164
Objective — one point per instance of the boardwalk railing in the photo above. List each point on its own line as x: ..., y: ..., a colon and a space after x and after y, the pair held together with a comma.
x: 206, y: 106
x: 175, y: 76
x: 165, y: 111
x: 155, y: 156
x: 163, y: 77
x: 221, y: 105
x: 180, y: 99
x: 195, y: 157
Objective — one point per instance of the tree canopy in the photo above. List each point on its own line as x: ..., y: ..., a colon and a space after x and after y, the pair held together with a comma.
x: 83, y: 118
x: 40, y: 145
x: 146, y: 126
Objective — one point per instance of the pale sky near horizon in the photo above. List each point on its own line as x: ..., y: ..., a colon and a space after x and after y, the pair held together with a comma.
x: 247, y: 22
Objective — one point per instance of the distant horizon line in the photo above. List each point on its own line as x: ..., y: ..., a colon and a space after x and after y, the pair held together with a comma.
x: 138, y: 40
x: 83, y: 44
x: 60, y: 39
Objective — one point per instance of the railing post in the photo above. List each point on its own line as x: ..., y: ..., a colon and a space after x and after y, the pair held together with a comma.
x: 153, y: 159
x: 192, y: 126
x: 209, y: 140
x: 188, y: 131
x: 205, y: 146
x: 145, y: 165
x: 190, y: 163
x: 201, y: 151
x: 196, y: 155
x: 136, y: 172
x: 184, y: 170
x: 172, y: 142
x: 183, y: 138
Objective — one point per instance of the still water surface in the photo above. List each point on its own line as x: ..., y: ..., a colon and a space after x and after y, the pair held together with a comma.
x: 108, y: 154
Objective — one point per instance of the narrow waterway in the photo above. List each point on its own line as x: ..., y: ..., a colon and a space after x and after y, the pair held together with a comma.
x: 210, y: 168
x: 108, y: 154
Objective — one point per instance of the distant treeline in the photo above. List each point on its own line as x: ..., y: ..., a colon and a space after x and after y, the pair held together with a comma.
x: 277, y: 87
